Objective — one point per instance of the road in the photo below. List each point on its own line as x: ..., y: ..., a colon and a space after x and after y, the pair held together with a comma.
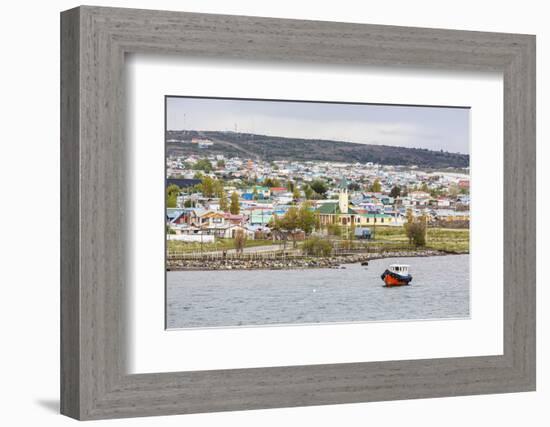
x: 235, y: 146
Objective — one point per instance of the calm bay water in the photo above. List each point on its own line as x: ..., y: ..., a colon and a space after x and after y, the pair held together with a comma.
x: 440, y: 289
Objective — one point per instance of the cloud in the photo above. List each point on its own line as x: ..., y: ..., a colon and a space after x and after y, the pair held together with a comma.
x: 396, y: 129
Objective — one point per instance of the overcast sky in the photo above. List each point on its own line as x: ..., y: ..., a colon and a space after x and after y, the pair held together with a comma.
x: 435, y: 128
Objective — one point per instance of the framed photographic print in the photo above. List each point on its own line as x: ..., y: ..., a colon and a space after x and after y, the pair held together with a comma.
x: 321, y: 221
x: 261, y: 213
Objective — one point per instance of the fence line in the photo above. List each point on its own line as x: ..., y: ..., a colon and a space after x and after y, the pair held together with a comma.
x: 281, y: 254
x: 233, y: 255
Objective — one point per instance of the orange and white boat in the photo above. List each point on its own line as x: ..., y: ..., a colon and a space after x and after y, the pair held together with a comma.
x: 396, y: 275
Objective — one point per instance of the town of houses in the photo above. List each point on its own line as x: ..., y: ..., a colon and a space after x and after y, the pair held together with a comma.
x: 359, y: 195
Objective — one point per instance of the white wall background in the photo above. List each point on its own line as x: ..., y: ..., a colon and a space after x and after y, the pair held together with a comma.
x: 29, y: 176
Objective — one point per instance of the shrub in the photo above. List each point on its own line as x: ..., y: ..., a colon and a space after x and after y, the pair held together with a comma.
x: 416, y: 232
x: 334, y: 230
x: 240, y: 241
x: 347, y: 244
x: 317, y: 246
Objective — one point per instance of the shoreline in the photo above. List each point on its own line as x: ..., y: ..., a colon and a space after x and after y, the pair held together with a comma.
x: 334, y: 262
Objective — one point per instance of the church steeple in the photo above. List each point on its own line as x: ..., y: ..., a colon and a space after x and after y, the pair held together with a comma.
x: 343, y: 198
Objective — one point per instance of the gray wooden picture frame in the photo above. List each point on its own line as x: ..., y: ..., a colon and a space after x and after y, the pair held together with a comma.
x: 94, y: 381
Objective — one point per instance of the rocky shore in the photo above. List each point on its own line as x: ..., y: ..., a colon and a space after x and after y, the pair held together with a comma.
x: 294, y: 262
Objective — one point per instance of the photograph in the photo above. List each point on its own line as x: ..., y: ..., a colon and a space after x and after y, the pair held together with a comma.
x: 285, y: 212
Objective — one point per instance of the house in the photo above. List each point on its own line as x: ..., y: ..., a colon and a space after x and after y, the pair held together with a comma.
x: 463, y: 199
x: 387, y: 200
x: 260, y: 217
x: 404, y: 201
x: 238, y: 219
x: 179, y: 216
x: 464, y: 184
x: 419, y: 198
x: 202, y: 142
x: 262, y: 192
x: 286, y: 199
x: 212, y: 219
x: 284, y: 235
x: 449, y: 215
x: 229, y: 231
x: 175, y: 215
x: 212, y: 204
x: 278, y: 190
x: 375, y: 218
x: 443, y: 202
x: 260, y: 232
x: 282, y: 197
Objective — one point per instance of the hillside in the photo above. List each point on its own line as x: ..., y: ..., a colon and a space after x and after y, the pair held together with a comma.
x: 245, y: 145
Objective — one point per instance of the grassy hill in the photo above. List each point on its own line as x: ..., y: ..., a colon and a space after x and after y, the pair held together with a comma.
x: 271, y: 148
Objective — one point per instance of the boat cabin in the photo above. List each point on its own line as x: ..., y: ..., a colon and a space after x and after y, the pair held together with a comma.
x: 401, y: 269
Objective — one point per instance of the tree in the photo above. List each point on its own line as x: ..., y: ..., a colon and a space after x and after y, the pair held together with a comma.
x: 234, y: 207
x: 207, y: 186
x: 306, y: 218
x: 317, y: 221
x: 172, y: 189
x: 172, y: 193
x: 171, y: 202
x: 291, y: 219
x: 188, y: 203
x: 334, y: 230
x: 240, y: 241
x: 220, y: 163
x: 436, y: 192
x: 424, y: 187
x: 320, y: 187
x: 218, y: 188
x: 376, y: 187
x: 296, y: 193
x: 203, y: 165
x: 224, y: 205
x: 299, y: 218
x: 308, y: 192
x: 290, y: 186
x: 286, y: 224
x: 395, y: 192
x: 272, y: 182
x: 410, y: 216
x: 277, y: 228
x: 353, y: 186
x: 416, y: 232
x: 416, y: 229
